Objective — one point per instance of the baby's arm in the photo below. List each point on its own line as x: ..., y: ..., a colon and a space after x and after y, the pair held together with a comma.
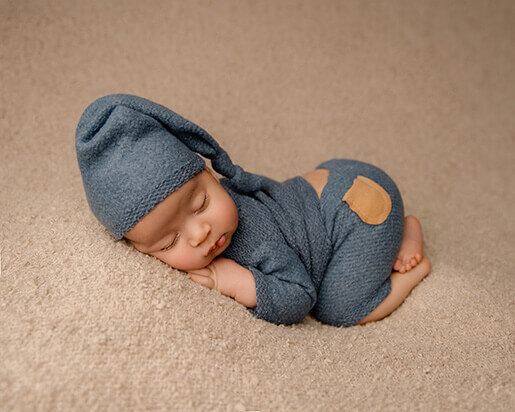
x: 278, y: 288
x: 230, y: 279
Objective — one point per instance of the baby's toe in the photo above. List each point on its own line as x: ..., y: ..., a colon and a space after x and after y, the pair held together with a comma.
x: 418, y: 257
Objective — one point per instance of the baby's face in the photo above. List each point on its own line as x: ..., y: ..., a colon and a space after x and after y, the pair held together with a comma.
x: 182, y: 229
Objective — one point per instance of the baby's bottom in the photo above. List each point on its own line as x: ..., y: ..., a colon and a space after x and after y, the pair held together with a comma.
x: 365, y: 244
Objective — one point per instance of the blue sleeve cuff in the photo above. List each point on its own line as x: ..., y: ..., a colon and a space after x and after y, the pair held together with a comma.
x: 262, y: 299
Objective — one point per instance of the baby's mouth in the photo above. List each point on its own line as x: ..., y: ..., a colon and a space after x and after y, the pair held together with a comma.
x: 218, y: 244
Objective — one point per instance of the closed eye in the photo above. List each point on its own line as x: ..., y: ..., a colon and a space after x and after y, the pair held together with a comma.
x: 201, y: 209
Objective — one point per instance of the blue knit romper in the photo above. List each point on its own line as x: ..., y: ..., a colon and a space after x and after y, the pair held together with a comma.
x: 330, y: 257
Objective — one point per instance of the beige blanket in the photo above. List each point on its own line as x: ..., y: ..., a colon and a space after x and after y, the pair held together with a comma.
x: 422, y: 89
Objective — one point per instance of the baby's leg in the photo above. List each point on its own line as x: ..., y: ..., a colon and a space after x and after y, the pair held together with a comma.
x: 412, y: 246
x: 402, y: 284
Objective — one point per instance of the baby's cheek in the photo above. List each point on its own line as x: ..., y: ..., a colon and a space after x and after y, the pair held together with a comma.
x: 185, y: 261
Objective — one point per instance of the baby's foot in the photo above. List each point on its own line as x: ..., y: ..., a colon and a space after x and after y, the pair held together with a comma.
x: 412, y: 246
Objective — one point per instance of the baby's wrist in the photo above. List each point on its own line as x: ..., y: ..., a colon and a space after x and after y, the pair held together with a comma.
x: 245, y: 288
x: 235, y: 281
x: 226, y: 283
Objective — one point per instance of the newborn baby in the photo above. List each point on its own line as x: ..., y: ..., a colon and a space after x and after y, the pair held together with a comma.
x: 333, y: 242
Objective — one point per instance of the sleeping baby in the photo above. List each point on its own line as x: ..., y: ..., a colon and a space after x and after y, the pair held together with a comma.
x: 333, y: 243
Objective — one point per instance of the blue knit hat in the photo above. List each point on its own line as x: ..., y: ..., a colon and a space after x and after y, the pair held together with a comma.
x: 133, y: 153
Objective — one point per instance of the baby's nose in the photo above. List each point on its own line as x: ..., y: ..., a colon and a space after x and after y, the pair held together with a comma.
x: 200, y: 234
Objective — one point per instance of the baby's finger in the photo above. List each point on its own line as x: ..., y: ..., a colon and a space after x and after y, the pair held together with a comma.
x: 203, y: 280
x: 201, y: 272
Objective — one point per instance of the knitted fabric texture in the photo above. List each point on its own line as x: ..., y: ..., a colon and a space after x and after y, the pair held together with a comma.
x: 281, y: 239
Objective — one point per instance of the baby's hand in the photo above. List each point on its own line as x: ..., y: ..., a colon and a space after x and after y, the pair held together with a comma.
x: 212, y: 274
x: 205, y: 277
x: 229, y: 278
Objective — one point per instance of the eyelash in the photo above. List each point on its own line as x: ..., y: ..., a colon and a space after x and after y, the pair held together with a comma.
x: 206, y: 197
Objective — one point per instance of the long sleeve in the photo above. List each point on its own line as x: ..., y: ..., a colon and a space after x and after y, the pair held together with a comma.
x: 285, y: 292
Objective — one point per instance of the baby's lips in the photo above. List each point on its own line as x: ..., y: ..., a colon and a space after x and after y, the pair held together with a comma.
x: 221, y: 241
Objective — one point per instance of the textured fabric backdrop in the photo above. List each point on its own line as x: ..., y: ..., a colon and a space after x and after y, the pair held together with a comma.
x: 424, y: 90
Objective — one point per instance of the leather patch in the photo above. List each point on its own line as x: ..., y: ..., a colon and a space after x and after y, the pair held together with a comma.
x: 369, y: 200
